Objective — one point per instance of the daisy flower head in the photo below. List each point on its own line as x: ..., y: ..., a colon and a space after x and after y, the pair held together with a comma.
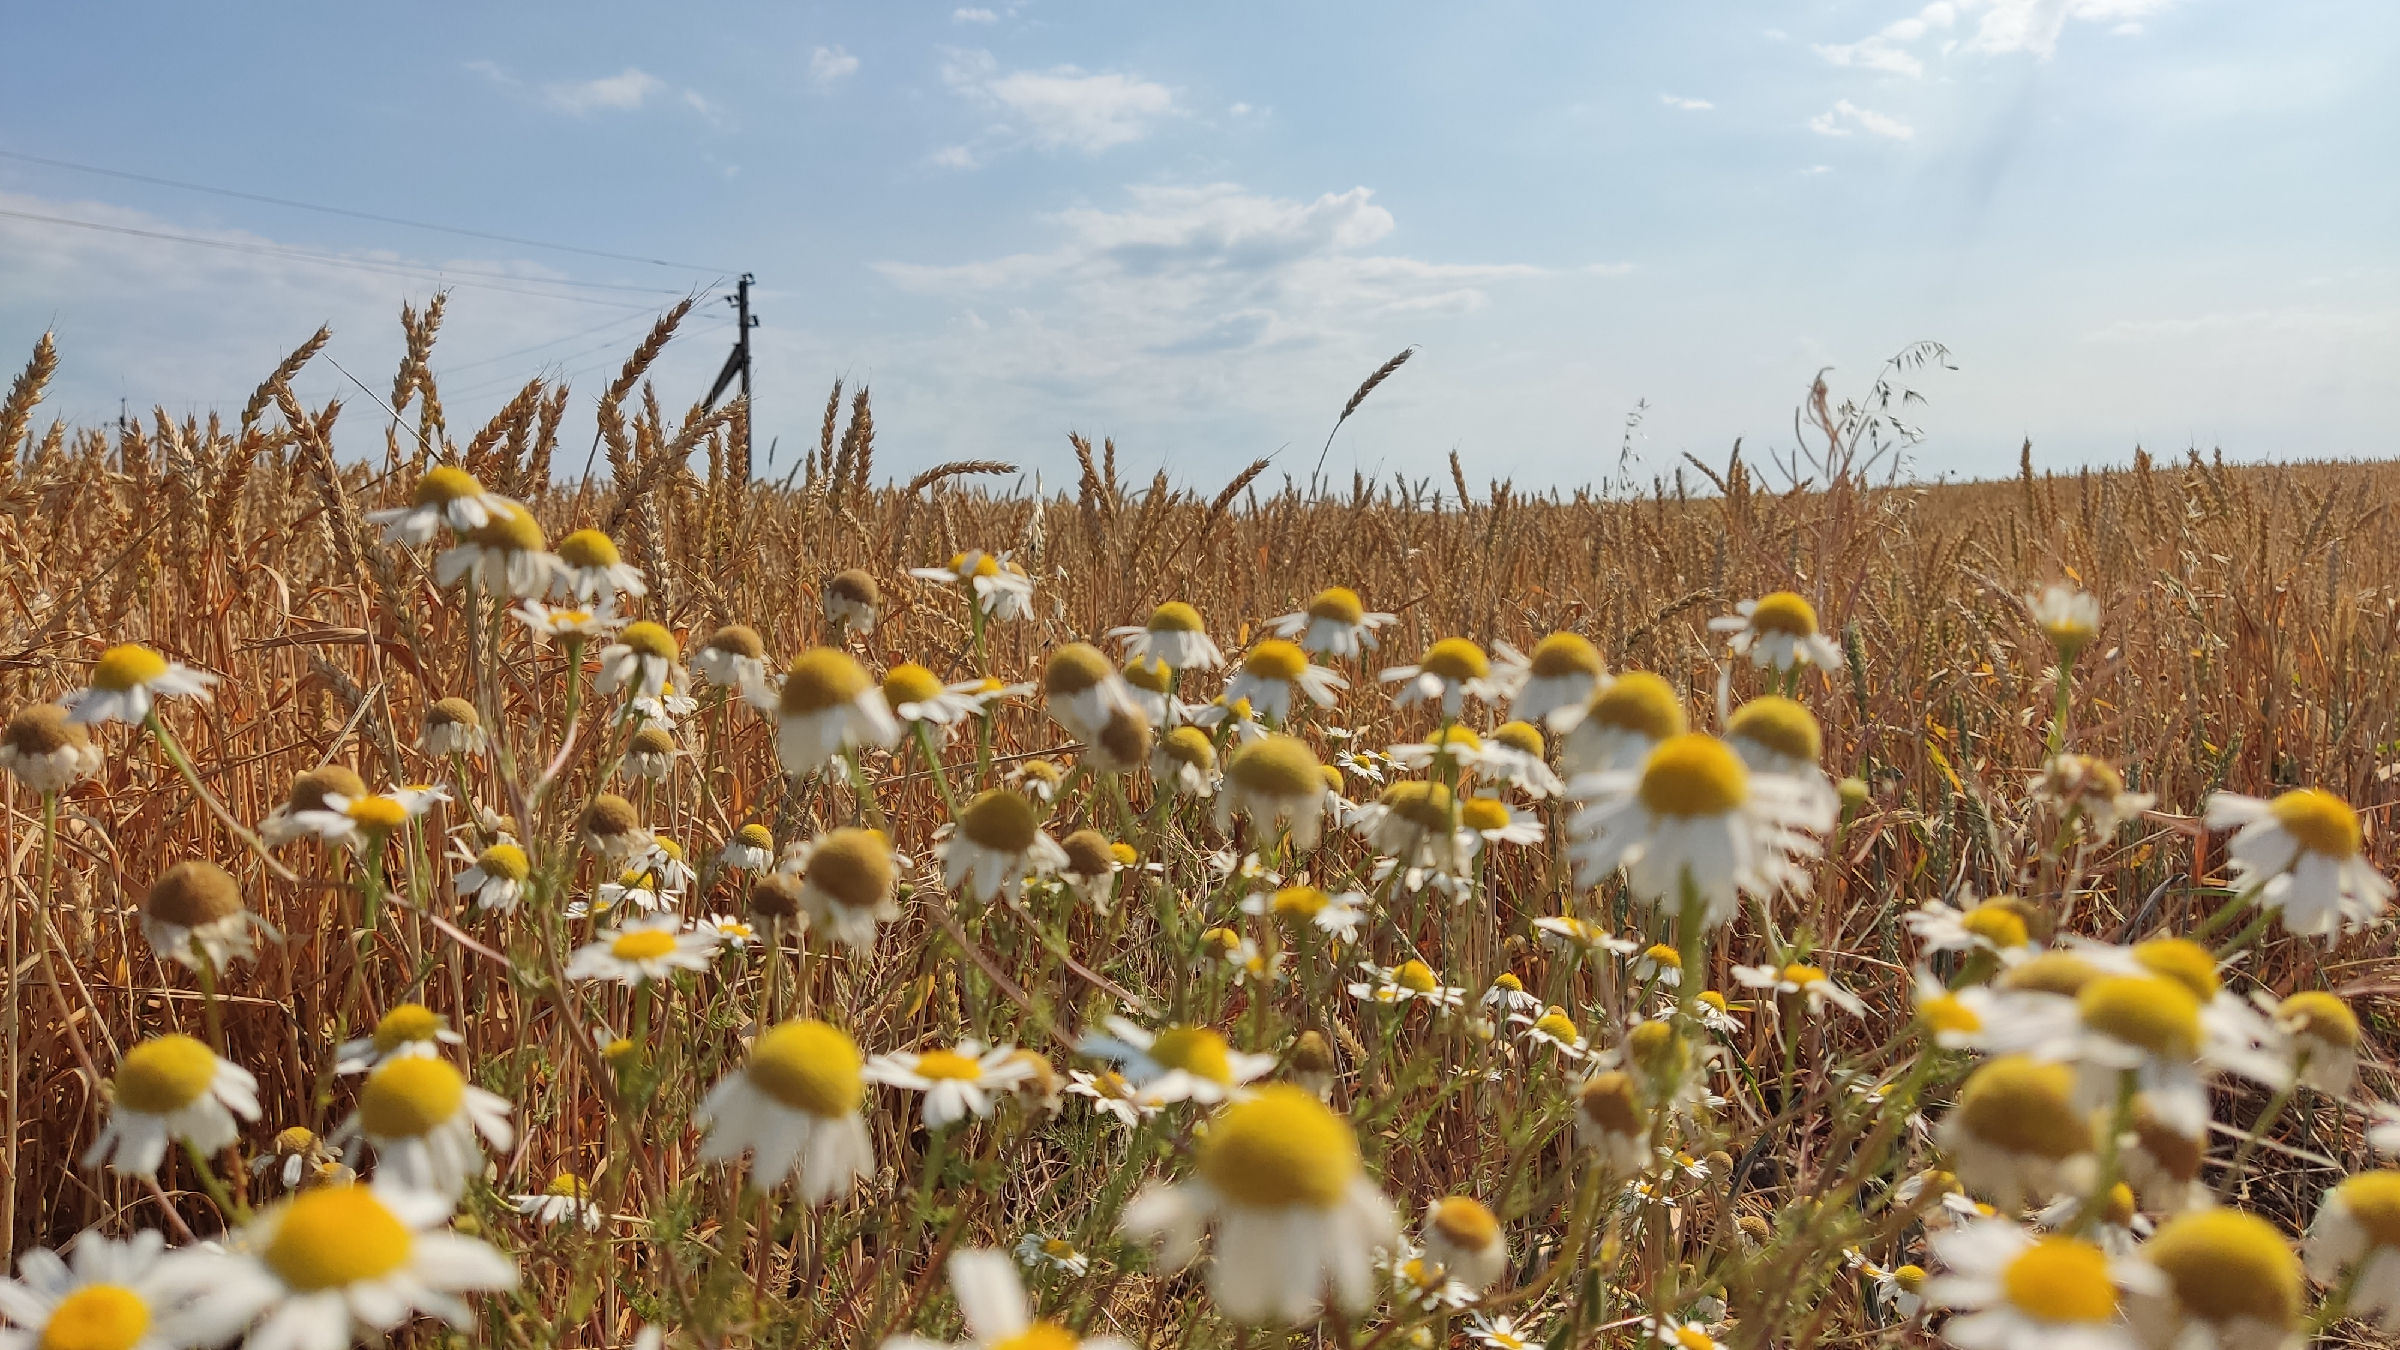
x: 998, y: 842
x: 339, y: 1264
x: 408, y: 1031
x: 1295, y: 907
x: 1081, y: 688
x: 643, y: 659
x: 446, y: 497
x: 828, y: 705
x: 2163, y: 1163
x: 307, y: 798
x: 2019, y: 1291
x: 956, y: 1083
x: 1996, y: 925
x: 1152, y: 684
x: 2066, y: 616
x: 127, y: 682
x: 1174, y: 636
x: 422, y: 1117
x: 734, y: 657
x: 571, y: 623
x: 1051, y: 1253
x: 853, y: 599
x: 1578, y: 937
x: 634, y: 886
x: 1612, y: 1118
x: 1036, y: 778
x: 1508, y: 995
x: 1808, y: 983
x: 998, y: 586
x: 46, y: 750
x: 1175, y: 1063
x: 1774, y: 734
x: 847, y: 885
x: 1463, y: 1241
x: 1496, y: 822
x: 567, y: 1199
x: 1334, y: 624
x: 991, y: 1300
x: 297, y: 1155
x: 1900, y: 1291
x: 1778, y: 631
x: 1279, y: 1179
x: 1502, y: 1333
x: 2301, y: 854
x: 1694, y: 817
x: 1450, y: 672
x: 1275, y: 780
x: 1123, y: 744
x: 1554, y: 1029
x: 2017, y: 1133
x: 644, y: 950
x: 915, y: 694
x: 1955, y: 1018
x: 1274, y: 673
x: 2358, y: 1225
x: 1185, y: 762
x: 1415, y: 822
x: 2232, y: 1282
x: 732, y: 934
x: 1716, y: 1014
x: 2319, y: 1036
x: 1231, y: 720
x: 650, y: 752
x: 591, y: 570
x: 1512, y: 754
x: 451, y: 726
x: 364, y: 821
x: 1111, y: 1093
x: 2088, y: 789
x: 1671, y: 1333
x: 1561, y: 675
x: 506, y: 555
x: 169, y: 1088
x: 1630, y: 716
x: 612, y: 830
x: 1312, y: 1063
x: 751, y: 849
x: 194, y: 911
x: 1092, y: 866
x: 1410, y: 981
x: 1661, y: 964
x: 110, y: 1295
x: 794, y: 1108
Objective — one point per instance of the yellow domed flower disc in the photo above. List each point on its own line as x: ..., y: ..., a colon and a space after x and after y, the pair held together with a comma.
x: 1640, y: 702
x: 1189, y: 745
x: 2060, y: 973
x: 1781, y: 725
x: 1279, y: 1149
x: 1299, y: 903
x: 1521, y: 736
x: 406, y: 1098
x: 649, y: 639
x: 2322, y: 1016
x: 1998, y: 925
x: 512, y: 529
x: 96, y: 1317
x: 999, y: 820
x: 1784, y: 612
x: 1175, y: 617
x: 2025, y: 1106
x: 2185, y: 962
x: 442, y: 485
x: 822, y: 678
x: 1414, y: 976
x: 909, y: 682
x: 1465, y: 1222
x: 809, y: 1066
x: 1276, y: 766
x: 1455, y: 659
x: 1275, y: 659
x: 127, y: 667
x: 378, y: 815
x: 506, y: 861
x: 1198, y: 1051
x: 405, y: 1024
x: 2225, y: 1264
x: 941, y: 1065
x: 1557, y: 1025
x: 191, y: 894
x: 1661, y: 954
x: 2061, y: 1279
x: 2151, y: 1011
x: 1483, y: 813
x: 740, y: 639
x: 1074, y: 668
x: 1562, y: 654
x: 589, y: 548
x: 1338, y: 603
x: 1422, y: 804
x: 165, y: 1075
x: 1693, y: 775
x: 2373, y: 1200
x: 335, y: 1237
x: 642, y: 944
x: 1610, y: 1101
x: 2322, y: 822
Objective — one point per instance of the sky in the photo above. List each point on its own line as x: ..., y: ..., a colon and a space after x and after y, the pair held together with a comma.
x: 1613, y: 233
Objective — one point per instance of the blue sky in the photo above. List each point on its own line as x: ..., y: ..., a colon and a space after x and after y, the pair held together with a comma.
x: 1194, y: 228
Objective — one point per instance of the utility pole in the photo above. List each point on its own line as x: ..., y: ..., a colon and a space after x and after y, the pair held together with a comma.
x: 737, y: 362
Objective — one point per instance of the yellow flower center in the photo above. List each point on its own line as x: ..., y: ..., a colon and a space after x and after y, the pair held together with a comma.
x: 2185, y: 962
x: 1693, y: 1338
x: 999, y: 820
x: 1175, y: 617
x: 642, y: 944
x: 588, y: 548
x: 2051, y: 973
x: 2061, y: 1280
x: 1565, y: 654
x: 1123, y: 854
x: 1279, y: 1149
x: 909, y: 682
x: 1693, y: 775
x: 1610, y: 1102
x: 1465, y: 1222
x: 1297, y: 903
x: 1557, y: 1026
x: 337, y: 1236
x: 2025, y: 1106
x: 378, y: 815
x: 619, y: 1050
x: 1039, y: 1336
x: 1664, y: 956
x: 2322, y: 822
x: 2149, y: 1011
x: 819, y: 679
x: 1508, y: 980
x: 1195, y: 1050
x: 1189, y: 745
x: 1276, y: 766
x: 506, y: 861
x: 165, y: 1075
x: 853, y: 866
x: 1520, y: 736
x: 193, y: 893
x: 1074, y: 668
x: 127, y: 667
x: 2373, y: 1200
x: 2120, y: 1210
x: 295, y: 1139
x: 2322, y: 1017
x: 942, y: 1065
x: 570, y: 1185
x: 808, y: 1066
x: 442, y: 485
x: 97, y: 1317
x: 649, y: 639
x: 1424, y: 805
x: 1910, y: 1278
x: 1996, y: 924
x: 406, y: 1098
x: 512, y: 529
x: 2177, y: 1154
x: 1656, y: 1049
x: 1780, y: 725
x: 1058, y: 1249
x: 406, y: 1023
x: 1150, y: 673
x: 755, y: 836
x: 1483, y: 813
x: 738, y: 639
x: 1640, y: 702
x: 1715, y: 1000
x: 1801, y: 975
x: 1338, y: 603
x: 1275, y: 659
x: 1414, y: 976
x: 1946, y: 1013
x: 1784, y: 612
x: 1455, y: 660
x: 2225, y: 1264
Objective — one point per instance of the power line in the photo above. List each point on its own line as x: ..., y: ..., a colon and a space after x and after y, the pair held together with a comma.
x: 355, y: 215
x: 449, y: 370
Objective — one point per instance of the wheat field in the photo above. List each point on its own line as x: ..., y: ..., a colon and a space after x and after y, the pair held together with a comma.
x: 1405, y: 1111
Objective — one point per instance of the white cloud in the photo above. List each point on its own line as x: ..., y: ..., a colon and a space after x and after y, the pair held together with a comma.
x: 973, y: 16
x: 2002, y: 26
x: 1844, y: 115
x: 1687, y: 104
x: 626, y: 90
x: 1615, y: 269
x: 828, y: 64
x: 1064, y: 106
x: 955, y: 157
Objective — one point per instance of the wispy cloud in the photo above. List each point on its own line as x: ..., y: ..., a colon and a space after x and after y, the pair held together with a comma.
x: 1064, y: 106
x: 827, y: 65
x: 627, y: 90
x: 1687, y: 104
x: 2001, y: 26
x: 1844, y: 117
x: 975, y: 15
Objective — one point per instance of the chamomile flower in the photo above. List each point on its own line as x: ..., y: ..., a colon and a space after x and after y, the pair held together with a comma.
x: 1777, y: 735
x: 1092, y: 866
x: 1508, y: 995
x: 1110, y: 1092
x: 1956, y: 1018
x: 751, y: 849
x: 194, y: 911
x: 1694, y: 817
x: 572, y: 622
x: 109, y: 1295
x: 1036, y: 778
x: 451, y: 726
x: 2358, y: 1226
x: 828, y: 706
x: 643, y: 950
x: 2318, y: 1037
x: 1553, y: 1029
x: 991, y: 1299
x: 1274, y: 674
x: 2090, y: 790
x: 1334, y: 624
x: 996, y: 585
x: 1578, y: 937
x: 634, y: 886
x: 1563, y: 673
x: 297, y: 1155
x: 916, y: 694
x: 734, y: 657
x: 1778, y: 631
x: 1184, y: 762
x: 2232, y: 1283
x: 408, y: 1031
x: 665, y: 862
x: 46, y: 750
x: 1463, y: 1241
x: 2302, y: 855
x: 1996, y: 926
x: 506, y: 555
x: 1123, y: 744
x: 1806, y: 982
x: 338, y: 1264
x: 444, y: 498
x: 170, y: 1088
x: 362, y: 822
x: 1338, y: 916
x: 846, y: 885
x: 1452, y: 671
x: 1279, y: 1179
x: 1660, y: 964
x: 1274, y: 781
x: 998, y: 842
x: 127, y: 682
x: 1631, y: 716
x: 956, y: 1083
x: 1612, y: 1119
x: 1496, y: 822
x: 591, y: 570
x: 1672, y: 1333
x: 2117, y: 1226
x: 1312, y: 1063
x: 1175, y: 1063
x: 1081, y: 689
x: 1174, y: 636
x: 732, y: 934
x: 643, y: 659
x: 1502, y: 1333
x: 567, y: 1199
x: 2156, y: 1027
x: 1900, y: 1291
x: 650, y: 753
x: 794, y: 1108
x: 2068, y: 617
x: 1413, y: 822
x: 1410, y: 981
x: 1232, y: 720
x: 1051, y: 1253
x: 2017, y: 1133
x: 422, y: 1117
x: 2163, y: 1163
x: 1716, y: 1014
x: 853, y: 599
x: 1512, y: 754
x: 2020, y: 1291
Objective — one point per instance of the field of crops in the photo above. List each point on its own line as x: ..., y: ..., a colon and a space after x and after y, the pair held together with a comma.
x: 1776, y: 906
